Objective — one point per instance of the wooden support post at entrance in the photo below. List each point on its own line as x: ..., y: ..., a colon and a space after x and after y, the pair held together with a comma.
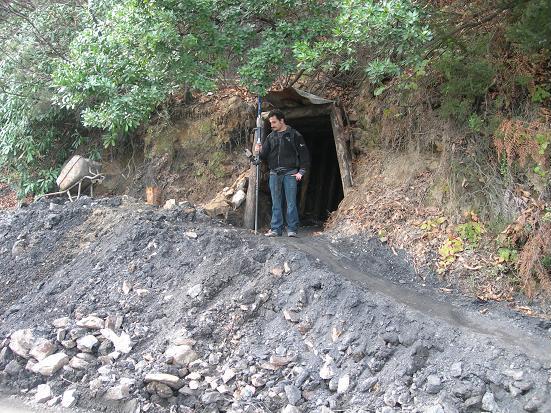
x: 248, y: 218
x: 343, y: 155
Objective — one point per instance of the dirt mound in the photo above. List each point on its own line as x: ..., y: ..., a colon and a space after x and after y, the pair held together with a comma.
x: 116, y: 305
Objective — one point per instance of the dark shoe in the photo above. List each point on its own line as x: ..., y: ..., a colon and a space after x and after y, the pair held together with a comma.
x: 291, y: 234
x: 272, y: 233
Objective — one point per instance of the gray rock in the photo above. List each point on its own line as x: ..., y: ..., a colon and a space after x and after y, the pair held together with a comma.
x: 293, y: 394
x: 78, y: 363
x: 534, y: 404
x: 367, y: 384
x: 210, y: 397
x: 434, y: 384
x: 194, y: 291
x: 13, y: 368
x: 229, y: 374
x: 434, y: 409
x: 456, y: 369
x: 247, y: 392
x: 18, y: 247
x: 290, y: 409
x: 488, y: 402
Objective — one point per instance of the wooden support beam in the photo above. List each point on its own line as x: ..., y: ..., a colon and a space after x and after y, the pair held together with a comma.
x: 343, y: 154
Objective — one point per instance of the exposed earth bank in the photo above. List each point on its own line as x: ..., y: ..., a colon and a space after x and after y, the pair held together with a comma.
x: 113, y: 305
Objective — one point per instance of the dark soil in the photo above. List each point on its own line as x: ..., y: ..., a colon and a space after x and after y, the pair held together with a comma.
x: 313, y: 324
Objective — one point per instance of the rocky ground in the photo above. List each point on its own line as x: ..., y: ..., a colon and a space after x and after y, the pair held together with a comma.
x: 116, y: 306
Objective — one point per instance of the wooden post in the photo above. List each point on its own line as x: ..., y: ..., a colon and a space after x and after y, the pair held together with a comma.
x: 343, y: 155
x: 250, y: 203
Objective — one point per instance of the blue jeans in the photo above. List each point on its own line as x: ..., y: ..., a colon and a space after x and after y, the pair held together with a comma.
x: 287, y: 183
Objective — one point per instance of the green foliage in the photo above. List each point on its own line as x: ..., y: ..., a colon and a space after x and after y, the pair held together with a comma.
x: 540, y: 94
x: 471, y: 232
x: 467, y: 77
x: 34, y: 134
x: 531, y: 29
x: 448, y: 252
x: 507, y: 255
x: 121, y: 67
x: 431, y: 224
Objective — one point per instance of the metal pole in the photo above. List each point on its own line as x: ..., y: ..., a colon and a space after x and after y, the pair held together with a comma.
x: 259, y: 129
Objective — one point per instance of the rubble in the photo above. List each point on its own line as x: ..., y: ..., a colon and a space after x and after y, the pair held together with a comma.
x: 231, y: 321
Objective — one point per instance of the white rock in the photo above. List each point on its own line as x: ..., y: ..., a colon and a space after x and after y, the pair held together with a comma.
x: 195, y: 290
x: 222, y: 389
x: 168, y: 379
x: 21, y: 342
x: 290, y: 409
x: 122, y: 343
x: 92, y: 322
x: 193, y: 384
x: 78, y: 363
x: 247, y: 392
x: 61, y: 322
x: 327, y: 371
x: 228, y: 375
x: 43, y: 393
x: 169, y: 204
x: 456, y: 369
x: 87, y: 343
x: 181, y: 355
x: 238, y: 198
x: 51, y: 364
x: 69, y: 398
x: 286, y: 267
x: 194, y: 376
x: 118, y: 392
x: 258, y: 380
x: 42, y: 349
x: 344, y: 384
x: 53, y: 401
x: 191, y: 234
x: 126, y: 287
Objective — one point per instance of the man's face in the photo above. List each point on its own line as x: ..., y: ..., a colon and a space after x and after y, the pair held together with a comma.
x: 276, y: 124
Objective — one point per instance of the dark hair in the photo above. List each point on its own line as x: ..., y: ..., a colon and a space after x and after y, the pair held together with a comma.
x: 277, y: 113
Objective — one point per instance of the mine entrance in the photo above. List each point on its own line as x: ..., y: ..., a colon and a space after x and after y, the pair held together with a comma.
x: 320, y: 122
x: 321, y: 190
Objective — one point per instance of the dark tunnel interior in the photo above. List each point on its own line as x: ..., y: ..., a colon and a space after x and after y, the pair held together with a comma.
x: 320, y: 191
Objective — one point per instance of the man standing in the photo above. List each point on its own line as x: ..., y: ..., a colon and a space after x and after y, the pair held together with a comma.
x: 288, y: 160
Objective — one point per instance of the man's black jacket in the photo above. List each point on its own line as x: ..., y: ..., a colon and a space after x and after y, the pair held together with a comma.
x: 285, y: 151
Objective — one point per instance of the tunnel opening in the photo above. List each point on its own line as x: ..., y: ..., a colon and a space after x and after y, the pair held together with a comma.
x: 320, y: 192
x: 329, y: 177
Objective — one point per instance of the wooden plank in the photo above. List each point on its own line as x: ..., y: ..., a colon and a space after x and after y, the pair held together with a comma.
x: 343, y: 154
x: 250, y: 202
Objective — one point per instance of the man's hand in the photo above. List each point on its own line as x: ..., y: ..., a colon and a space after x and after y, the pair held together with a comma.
x: 298, y: 176
x: 257, y: 148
